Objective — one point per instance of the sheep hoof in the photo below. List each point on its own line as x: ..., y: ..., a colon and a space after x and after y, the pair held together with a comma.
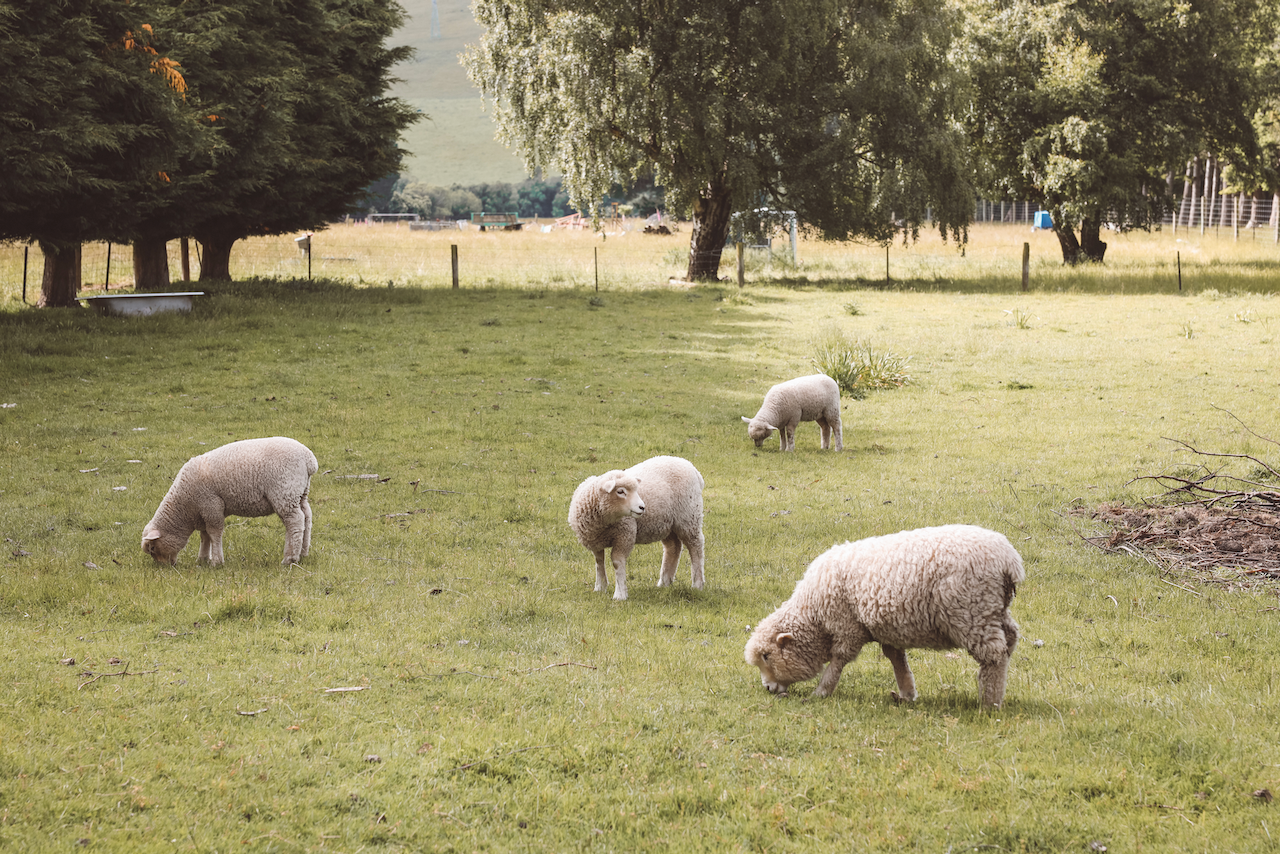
x: 898, y: 698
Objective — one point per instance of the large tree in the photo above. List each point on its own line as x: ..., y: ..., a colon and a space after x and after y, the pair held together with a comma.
x: 301, y: 99
x: 1086, y: 106
x: 836, y: 109
x: 88, y: 121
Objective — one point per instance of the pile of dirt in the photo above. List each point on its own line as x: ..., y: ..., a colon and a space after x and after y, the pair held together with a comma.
x: 1209, y: 544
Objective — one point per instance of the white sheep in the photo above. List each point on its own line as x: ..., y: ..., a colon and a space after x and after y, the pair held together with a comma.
x: 658, y: 500
x: 812, y: 398
x: 933, y: 588
x: 252, y: 477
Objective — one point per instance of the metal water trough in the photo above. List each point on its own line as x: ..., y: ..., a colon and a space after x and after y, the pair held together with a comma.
x: 137, y: 305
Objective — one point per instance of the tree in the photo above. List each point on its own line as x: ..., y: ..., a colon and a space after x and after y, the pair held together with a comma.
x: 836, y: 109
x: 1086, y: 106
x: 86, y: 124
x: 298, y: 93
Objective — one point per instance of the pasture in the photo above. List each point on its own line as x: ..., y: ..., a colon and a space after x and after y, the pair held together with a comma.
x: 492, y: 701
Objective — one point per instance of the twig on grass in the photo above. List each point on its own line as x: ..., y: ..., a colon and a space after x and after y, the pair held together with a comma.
x: 1179, y: 586
x: 500, y: 755
x: 561, y: 664
x: 343, y: 690
x: 251, y: 714
x: 124, y: 672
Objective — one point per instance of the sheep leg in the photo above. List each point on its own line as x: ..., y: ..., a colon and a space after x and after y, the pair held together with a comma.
x: 992, y: 678
x: 206, y: 543
x: 619, y: 556
x: 295, y: 523
x: 825, y: 429
x: 670, y: 560
x: 901, y: 672
x: 305, y: 506
x: 695, y: 545
x: 602, y: 577
x: 830, y: 676
x: 838, y: 430
x: 788, y: 437
x: 214, y: 533
x: 993, y: 668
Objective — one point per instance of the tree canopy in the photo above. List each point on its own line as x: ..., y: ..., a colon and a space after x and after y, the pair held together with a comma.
x: 839, y: 110
x: 154, y: 119
x: 1088, y: 106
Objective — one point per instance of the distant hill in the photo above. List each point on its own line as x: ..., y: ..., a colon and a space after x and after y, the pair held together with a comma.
x: 454, y: 143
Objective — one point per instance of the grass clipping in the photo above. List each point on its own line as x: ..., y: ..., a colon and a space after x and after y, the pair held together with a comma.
x: 1207, y: 526
x: 857, y: 365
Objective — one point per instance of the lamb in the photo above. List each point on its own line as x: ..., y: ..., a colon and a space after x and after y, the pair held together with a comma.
x: 933, y: 588
x: 252, y: 477
x: 658, y: 500
x: 812, y: 398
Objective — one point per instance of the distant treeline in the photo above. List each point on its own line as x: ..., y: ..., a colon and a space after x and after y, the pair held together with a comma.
x: 531, y: 198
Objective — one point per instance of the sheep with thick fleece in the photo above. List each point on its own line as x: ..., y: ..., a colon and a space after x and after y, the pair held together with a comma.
x: 252, y: 477
x: 933, y: 588
x: 658, y: 500
x: 812, y: 398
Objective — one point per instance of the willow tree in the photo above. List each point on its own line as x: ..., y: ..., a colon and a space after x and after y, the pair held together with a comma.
x: 1087, y: 106
x: 839, y: 110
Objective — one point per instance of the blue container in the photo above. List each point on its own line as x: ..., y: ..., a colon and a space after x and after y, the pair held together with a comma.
x: 1044, y: 219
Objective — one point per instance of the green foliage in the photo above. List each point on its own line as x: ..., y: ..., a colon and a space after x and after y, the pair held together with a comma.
x: 505, y: 706
x: 1086, y: 108
x: 857, y: 365
x: 703, y: 97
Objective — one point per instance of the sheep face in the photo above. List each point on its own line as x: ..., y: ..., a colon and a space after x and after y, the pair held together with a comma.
x: 163, y: 547
x: 620, y: 493
x: 758, y: 430
x: 784, y: 657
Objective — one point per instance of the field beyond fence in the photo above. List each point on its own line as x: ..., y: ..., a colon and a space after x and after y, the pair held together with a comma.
x: 389, y: 253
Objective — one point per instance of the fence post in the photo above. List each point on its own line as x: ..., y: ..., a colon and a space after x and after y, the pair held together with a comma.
x: 597, y: 258
x: 886, y: 264
x: 1179, y: 269
x: 185, y: 243
x: 1026, y: 265
x: 742, y: 270
x: 106, y: 280
x: 25, y: 250
x: 453, y: 258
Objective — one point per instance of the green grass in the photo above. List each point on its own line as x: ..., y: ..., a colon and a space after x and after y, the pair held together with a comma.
x: 507, y: 707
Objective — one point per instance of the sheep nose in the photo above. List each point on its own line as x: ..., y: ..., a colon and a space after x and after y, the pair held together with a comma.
x: 640, y: 509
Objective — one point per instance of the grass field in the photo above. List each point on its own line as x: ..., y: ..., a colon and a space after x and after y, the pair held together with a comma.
x: 503, y: 705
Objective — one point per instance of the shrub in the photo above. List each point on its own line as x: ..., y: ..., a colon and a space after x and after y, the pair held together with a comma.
x: 857, y: 366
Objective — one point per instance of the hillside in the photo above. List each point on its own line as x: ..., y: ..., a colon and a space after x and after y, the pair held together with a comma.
x: 455, y: 143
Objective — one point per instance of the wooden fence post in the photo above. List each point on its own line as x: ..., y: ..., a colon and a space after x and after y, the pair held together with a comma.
x: 742, y: 269
x: 1026, y: 265
x: 453, y: 259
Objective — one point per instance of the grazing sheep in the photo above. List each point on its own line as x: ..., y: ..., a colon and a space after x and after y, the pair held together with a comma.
x: 812, y: 398
x: 658, y: 500
x: 933, y: 588
x: 252, y: 477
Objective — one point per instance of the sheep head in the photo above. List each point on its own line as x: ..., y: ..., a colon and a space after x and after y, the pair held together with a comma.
x: 161, y: 546
x: 785, y: 655
x: 758, y: 430
x: 620, y: 493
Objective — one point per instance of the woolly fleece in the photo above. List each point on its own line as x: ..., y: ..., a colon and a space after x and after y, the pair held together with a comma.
x: 933, y: 588
x: 252, y: 477
x: 811, y: 398
x: 658, y: 500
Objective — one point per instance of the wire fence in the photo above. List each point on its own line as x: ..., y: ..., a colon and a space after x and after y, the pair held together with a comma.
x: 623, y: 256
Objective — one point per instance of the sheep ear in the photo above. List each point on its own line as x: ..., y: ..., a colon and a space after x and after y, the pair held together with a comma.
x: 770, y: 426
x: 606, y: 486
x: 783, y: 639
x: 746, y: 419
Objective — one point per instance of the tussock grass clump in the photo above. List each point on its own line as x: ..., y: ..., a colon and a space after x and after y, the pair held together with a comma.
x: 857, y: 365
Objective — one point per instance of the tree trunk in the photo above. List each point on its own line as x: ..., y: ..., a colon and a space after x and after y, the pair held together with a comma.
x: 61, y: 279
x: 711, y: 214
x: 1087, y: 248
x: 215, y: 258
x: 150, y: 264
